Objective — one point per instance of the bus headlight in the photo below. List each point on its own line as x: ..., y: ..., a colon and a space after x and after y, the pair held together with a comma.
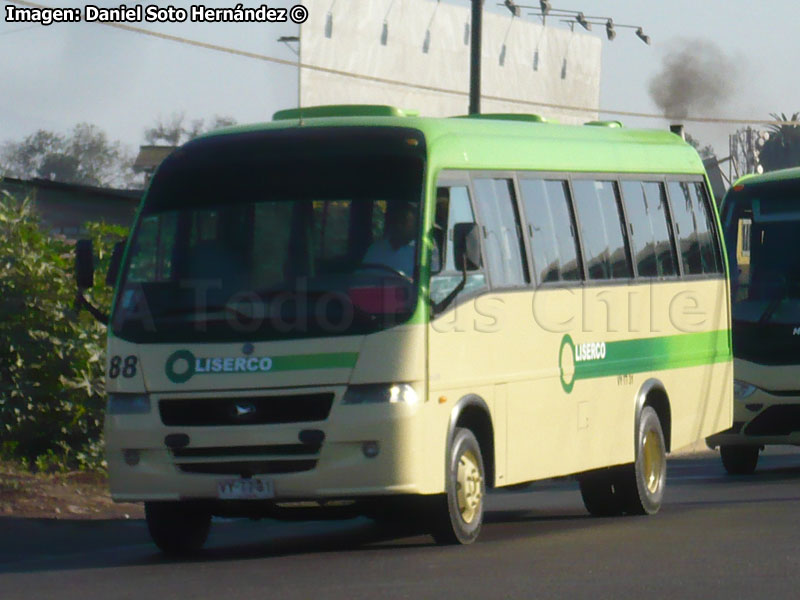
x: 128, y: 404
x: 380, y: 393
x: 742, y: 390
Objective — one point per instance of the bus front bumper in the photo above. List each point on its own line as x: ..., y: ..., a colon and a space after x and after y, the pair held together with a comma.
x: 761, y: 419
x: 368, y: 450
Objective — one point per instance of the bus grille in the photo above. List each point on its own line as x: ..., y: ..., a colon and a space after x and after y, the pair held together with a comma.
x: 262, y: 410
x: 247, y: 468
x: 248, y: 460
x: 226, y: 451
x: 781, y: 419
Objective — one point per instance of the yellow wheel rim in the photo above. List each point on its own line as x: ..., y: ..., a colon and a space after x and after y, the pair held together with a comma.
x: 469, y: 486
x: 653, y: 453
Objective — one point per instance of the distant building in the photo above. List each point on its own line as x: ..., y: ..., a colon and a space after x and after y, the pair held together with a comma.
x: 415, y: 55
x: 66, y: 207
x: 149, y: 158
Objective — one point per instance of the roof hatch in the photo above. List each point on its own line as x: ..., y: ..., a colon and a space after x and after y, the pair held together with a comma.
x: 612, y: 124
x: 527, y: 117
x: 343, y: 110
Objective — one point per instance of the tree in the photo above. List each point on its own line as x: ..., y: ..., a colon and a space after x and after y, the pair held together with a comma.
x: 782, y: 149
x: 175, y: 130
x: 705, y: 151
x: 85, y: 155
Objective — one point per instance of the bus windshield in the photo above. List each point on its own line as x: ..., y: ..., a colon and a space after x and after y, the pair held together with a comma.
x: 261, y: 239
x: 762, y: 234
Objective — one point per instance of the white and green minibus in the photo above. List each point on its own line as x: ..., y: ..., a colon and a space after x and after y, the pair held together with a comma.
x: 366, y: 311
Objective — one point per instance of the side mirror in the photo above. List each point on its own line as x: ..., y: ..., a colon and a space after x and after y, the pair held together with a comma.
x: 84, y: 264
x: 116, y: 262
x: 467, y: 246
x: 467, y: 256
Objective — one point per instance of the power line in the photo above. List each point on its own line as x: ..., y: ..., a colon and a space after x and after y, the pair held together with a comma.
x: 417, y: 86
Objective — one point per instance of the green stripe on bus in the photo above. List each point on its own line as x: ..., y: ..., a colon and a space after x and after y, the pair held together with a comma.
x: 302, y: 362
x: 182, y: 365
x: 641, y: 355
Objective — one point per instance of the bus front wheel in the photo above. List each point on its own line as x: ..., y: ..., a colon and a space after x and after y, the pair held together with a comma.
x: 739, y: 460
x: 177, y: 528
x: 457, y: 515
x: 641, y: 484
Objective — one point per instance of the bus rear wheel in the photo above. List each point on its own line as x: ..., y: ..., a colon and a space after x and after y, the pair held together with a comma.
x: 600, y: 493
x: 641, y: 484
x: 458, y: 515
x: 177, y: 528
x: 739, y: 460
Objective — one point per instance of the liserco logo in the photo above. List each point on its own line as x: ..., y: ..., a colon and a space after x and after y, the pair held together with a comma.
x: 182, y: 365
x: 566, y: 363
x: 572, y: 359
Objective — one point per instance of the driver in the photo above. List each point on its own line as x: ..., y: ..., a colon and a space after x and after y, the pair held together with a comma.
x: 397, y: 248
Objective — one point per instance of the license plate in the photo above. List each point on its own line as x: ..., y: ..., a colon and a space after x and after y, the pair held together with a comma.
x: 245, y: 489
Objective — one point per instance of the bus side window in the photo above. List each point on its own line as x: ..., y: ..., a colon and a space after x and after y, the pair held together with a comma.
x: 683, y: 215
x: 505, y: 250
x: 709, y: 249
x: 601, y: 229
x: 695, y: 228
x: 650, y: 232
x: 452, y: 207
x: 740, y: 260
x: 440, y: 228
x: 551, y: 229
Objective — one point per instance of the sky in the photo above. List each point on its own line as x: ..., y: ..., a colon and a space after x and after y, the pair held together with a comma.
x: 54, y: 77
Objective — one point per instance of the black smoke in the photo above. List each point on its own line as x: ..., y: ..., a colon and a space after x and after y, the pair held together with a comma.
x: 696, y: 76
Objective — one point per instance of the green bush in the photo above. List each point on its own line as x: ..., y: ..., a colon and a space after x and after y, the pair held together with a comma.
x: 51, y: 358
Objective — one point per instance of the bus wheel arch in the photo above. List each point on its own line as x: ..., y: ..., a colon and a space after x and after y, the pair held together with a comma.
x: 653, y: 393
x: 471, y: 412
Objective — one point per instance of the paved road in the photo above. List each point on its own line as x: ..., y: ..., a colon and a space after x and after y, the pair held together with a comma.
x: 715, y: 537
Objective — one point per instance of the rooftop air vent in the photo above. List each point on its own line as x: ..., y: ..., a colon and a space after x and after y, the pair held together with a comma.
x: 342, y: 110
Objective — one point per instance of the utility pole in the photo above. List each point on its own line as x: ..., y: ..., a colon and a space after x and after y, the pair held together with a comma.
x: 287, y: 39
x: 475, y: 59
x: 544, y: 9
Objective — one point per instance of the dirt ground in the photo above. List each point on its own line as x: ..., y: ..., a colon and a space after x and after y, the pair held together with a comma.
x: 76, y: 495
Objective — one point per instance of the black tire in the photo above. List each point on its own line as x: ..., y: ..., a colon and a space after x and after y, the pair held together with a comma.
x: 600, y: 493
x: 641, y: 484
x: 177, y: 528
x: 739, y: 460
x: 457, y: 516
x: 401, y: 515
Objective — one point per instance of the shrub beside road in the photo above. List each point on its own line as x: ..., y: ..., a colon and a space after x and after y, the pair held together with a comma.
x: 52, y: 359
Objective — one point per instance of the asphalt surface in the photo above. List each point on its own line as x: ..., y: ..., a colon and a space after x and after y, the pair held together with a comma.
x: 716, y: 536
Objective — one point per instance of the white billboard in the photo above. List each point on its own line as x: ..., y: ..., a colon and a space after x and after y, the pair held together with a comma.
x: 414, y: 54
